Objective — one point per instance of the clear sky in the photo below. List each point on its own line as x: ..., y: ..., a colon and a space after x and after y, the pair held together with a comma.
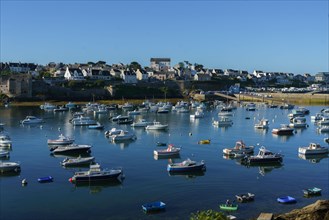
x: 285, y: 36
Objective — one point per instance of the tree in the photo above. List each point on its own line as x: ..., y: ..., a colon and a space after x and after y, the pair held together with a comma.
x: 135, y: 66
x: 198, y: 67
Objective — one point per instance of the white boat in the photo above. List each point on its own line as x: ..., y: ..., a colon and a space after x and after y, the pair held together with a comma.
x: 141, y: 123
x: 323, y: 121
x: 48, y: 106
x: 127, y: 106
x: 262, y: 124
x: 317, y: 117
x: 120, y: 118
x: 70, y: 105
x: 95, y: 173
x: 9, y: 167
x: 72, y: 148
x: 124, y: 136
x: 83, y: 120
x: 4, y: 154
x: 239, y: 148
x: 298, y: 122
x: 197, y: 114
x: 5, y: 140
x: 251, y: 107
x: 101, y: 109
x: 156, y: 126
x: 62, y: 140
x: 113, y: 131
x: 223, y: 121
x: 135, y: 112
x: 31, y: 120
x: 313, y: 148
x: 323, y: 129
x: 60, y: 109
x: 98, y: 126
x: 77, y: 161
x: 170, y: 151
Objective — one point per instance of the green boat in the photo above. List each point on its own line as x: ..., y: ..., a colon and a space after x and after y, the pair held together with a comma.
x: 228, y: 207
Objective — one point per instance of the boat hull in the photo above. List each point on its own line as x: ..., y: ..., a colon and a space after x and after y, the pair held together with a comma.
x: 198, y: 167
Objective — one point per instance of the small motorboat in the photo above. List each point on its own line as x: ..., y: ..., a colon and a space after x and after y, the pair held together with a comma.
x: 4, y: 154
x: 161, y: 144
x: 62, y: 140
x: 206, y: 141
x: 230, y: 207
x: 5, y: 140
x: 156, y: 126
x: 9, y: 167
x: 313, y: 148
x: 95, y: 173
x: 240, y: 148
x: 77, y: 161
x: 31, y: 120
x: 283, y: 130
x: 45, y: 179
x: 286, y: 200
x: 312, y: 191
x: 72, y: 148
x: 264, y: 156
x: 141, y: 123
x: 170, y: 151
x: 98, y: 126
x: 123, y: 136
x: 186, y: 165
x: 262, y: 124
x: 154, y: 206
x: 326, y: 140
x: 245, y: 197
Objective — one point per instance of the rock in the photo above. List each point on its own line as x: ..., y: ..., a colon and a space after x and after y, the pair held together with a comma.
x: 316, y: 211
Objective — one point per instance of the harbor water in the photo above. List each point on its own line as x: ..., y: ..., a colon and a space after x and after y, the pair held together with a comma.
x: 146, y: 178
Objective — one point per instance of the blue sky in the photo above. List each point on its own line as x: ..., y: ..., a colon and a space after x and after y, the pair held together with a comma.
x: 287, y: 36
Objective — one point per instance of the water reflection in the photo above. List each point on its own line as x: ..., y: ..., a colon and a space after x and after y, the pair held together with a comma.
x: 313, y: 158
x: 263, y: 168
x: 188, y: 175
x: 159, y: 157
x: 98, y: 186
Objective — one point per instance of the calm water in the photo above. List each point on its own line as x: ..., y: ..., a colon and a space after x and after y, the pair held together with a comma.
x: 146, y: 178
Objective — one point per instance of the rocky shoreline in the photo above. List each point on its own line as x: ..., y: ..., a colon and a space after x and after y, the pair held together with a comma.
x: 316, y: 211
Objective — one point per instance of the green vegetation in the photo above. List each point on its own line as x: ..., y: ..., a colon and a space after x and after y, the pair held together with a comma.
x: 208, y: 215
x: 5, y: 72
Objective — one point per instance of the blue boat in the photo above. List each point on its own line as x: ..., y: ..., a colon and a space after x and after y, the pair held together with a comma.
x: 45, y: 179
x: 96, y: 126
x: 286, y: 199
x: 186, y: 165
x: 154, y: 206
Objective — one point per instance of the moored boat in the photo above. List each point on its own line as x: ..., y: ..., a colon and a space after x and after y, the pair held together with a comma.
x: 313, y: 148
x: 4, y: 154
x: 262, y: 124
x: 141, y: 123
x: 223, y: 121
x: 286, y: 199
x: 312, y: 191
x: 77, y: 161
x: 226, y: 207
x: 97, y: 126
x: 5, y: 140
x: 123, y: 136
x: 62, y: 140
x: 239, y: 148
x: 186, y: 165
x: 205, y: 141
x: 45, y: 179
x: 72, y: 148
x: 156, y: 126
x: 245, y: 197
x: 31, y: 120
x: 283, y: 130
x: 263, y: 156
x: 154, y: 206
x: 95, y: 173
x: 170, y: 151
x: 9, y: 167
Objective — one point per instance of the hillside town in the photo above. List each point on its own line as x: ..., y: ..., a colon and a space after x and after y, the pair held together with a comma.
x: 17, y: 79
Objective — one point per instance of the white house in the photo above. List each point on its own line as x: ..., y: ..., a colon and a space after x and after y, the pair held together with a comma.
x: 128, y: 76
x: 141, y: 75
x: 160, y: 64
x: 73, y: 74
